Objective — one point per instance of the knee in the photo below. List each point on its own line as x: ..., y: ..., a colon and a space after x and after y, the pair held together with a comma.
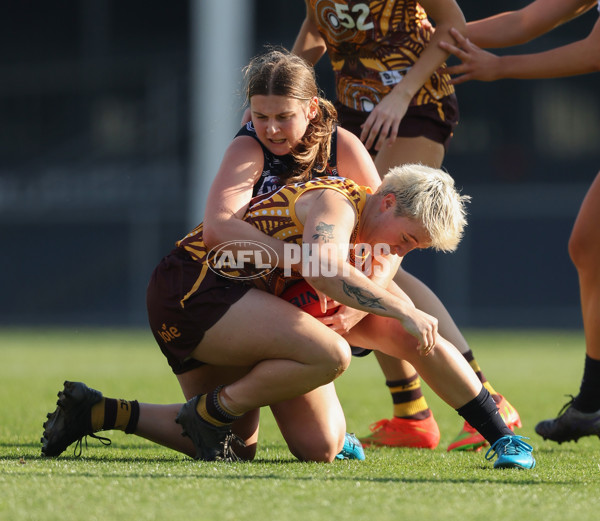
x: 329, y: 357
x: 579, y: 248
x: 321, y: 449
x: 341, y: 355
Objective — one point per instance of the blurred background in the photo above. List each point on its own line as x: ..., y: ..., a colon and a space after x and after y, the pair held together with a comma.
x: 114, y: 116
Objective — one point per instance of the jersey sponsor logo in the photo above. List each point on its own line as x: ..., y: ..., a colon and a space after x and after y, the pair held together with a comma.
x: 389, y: 78
x: 169, y: 333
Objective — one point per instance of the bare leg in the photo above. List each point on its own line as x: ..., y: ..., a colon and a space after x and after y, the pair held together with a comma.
x: 399, y: 374
x: 289, y: 352
x: 445, y: 370
x: 428, y: 152
x: 427, y: 301
x: 287, y: 355
x: 157, y: 422
x: 410, y: 150
x: 450, y: 376
x: 582, y: 416
x: 282, y: 361
x: 584, y: 248
x: 281, y: 354
x: 313, y: 424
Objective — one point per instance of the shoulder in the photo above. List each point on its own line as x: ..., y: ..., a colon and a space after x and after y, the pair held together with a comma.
x: 333, y: 189
x: 349, y: 145
x: 354, y: 161
x: 334, y: 195
x: 243, y: 143
x: 346, y: 137
x: 242, y: 154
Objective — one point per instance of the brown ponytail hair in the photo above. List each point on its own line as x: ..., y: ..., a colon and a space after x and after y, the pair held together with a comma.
x: 281, y: 73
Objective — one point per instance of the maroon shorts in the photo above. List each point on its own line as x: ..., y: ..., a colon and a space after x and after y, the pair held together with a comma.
x: 419, y: 120
x: 179, y: 328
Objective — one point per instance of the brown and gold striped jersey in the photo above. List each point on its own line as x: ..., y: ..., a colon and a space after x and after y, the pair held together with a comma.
x: 372, y: 44
x: 274, y: 214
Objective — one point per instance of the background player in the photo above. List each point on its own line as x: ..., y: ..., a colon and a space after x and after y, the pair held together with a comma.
x: 581, y: 416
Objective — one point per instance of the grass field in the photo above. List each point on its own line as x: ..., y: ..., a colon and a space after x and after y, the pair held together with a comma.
x: 135, y: 480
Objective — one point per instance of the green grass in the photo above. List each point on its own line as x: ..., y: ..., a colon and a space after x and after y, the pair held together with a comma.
x: 134, y: 479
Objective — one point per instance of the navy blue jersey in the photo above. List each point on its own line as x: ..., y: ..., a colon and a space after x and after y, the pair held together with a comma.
x: 276, y: 168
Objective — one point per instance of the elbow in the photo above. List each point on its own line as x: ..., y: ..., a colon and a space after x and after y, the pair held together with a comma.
x: 460, y: 25
x: 210, y: 236
x: 588, y: 50
x: 454, y: 19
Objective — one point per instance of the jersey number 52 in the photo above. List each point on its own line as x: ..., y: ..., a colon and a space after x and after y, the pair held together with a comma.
x: 362, y: 10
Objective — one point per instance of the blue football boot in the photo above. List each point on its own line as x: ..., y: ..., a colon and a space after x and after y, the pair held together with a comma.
x: 512, y: 452
x: 352, y: 448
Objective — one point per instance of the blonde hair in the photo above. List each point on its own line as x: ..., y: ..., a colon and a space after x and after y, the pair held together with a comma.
x: 428, y: 195
x: 281, y: 73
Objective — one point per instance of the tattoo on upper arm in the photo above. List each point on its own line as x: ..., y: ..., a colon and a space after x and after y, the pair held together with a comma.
x: 324, y: 231
x: 363, y: 297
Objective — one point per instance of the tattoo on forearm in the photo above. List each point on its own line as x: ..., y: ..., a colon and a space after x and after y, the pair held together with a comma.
x: 324, y: 231
x: 365, y: 298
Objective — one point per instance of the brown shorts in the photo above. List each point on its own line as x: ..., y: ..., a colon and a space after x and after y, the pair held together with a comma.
x: 178, y: 329
x: 419, y: 120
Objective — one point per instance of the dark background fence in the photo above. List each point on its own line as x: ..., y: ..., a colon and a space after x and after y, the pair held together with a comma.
x: 95, y: 172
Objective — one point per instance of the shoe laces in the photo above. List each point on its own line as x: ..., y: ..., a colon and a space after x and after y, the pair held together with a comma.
x: 79, y: 443
x: 228, y: 452
x: 510, y: 445
x: 352, y: 440
x: 380, y: 425
x: 566, y: 405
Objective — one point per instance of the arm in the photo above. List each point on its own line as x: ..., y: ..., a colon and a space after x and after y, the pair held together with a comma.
x: 581, y: 57
x: 309, y: 43
x: 354, y: 161
x: 343, y: 320
x: 347, y: 285
x: 230, y: 195
x: 521, y: 26
x: 385, y: 119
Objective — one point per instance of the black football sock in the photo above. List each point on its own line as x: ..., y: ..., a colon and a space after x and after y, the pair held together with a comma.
x: 482, y: 414
x: 588, y: 399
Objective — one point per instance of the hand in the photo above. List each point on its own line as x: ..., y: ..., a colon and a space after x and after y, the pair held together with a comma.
x: 424, y: 328
x: 385, y: 119
x: 344, y: 319
x: 477, y: 64
x: 247, y: 116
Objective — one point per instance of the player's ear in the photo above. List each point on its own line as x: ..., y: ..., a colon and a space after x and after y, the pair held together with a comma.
x: 313, y: 107
x: 388, y: 202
